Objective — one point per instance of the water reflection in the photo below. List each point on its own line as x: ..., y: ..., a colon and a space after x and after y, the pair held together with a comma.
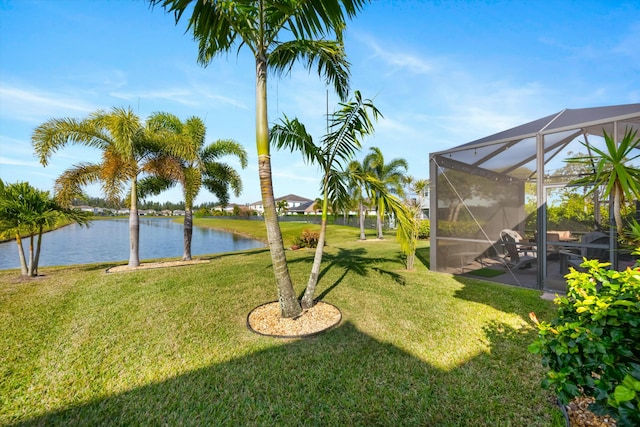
x: 108, y: 240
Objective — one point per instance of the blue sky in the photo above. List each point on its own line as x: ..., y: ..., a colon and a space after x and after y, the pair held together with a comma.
x: 442, y: 73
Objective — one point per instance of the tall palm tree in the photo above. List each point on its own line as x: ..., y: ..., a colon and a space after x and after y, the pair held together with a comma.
x: 25, y: 209
x: 347, y: 127
x: 278, y: 33
x: 613, y: 170
x: 193, y: 165
x: 128, y: 150
x: 389, y: 174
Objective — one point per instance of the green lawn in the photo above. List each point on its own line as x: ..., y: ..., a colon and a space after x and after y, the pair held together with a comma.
x: 171, y: 347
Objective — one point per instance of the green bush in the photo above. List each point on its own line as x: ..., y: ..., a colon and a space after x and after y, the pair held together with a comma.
x: 425, y: 229
x: 308, y: 239
x: 593, y: 346
x: 458, y: 228
x: 202, y: 212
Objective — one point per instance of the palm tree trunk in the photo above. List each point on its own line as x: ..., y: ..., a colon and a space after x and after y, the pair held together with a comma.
x: 410, y: 260
x: 23, y: 260
x: 134, y: 226
x: 289, y: 305
x: 31, y: 255
x: 188, y: 233
x: 457, y: 212
x: 617, y: 197
x: 361, y: 218
x: 307, y: 298
x: 379, y: 216
x: 36, y: 260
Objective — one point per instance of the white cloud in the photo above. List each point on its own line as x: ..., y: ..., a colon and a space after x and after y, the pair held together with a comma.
x: 180, y: 96
x: 399, y: 60
x: 32, y: 105
x: 15, y: 162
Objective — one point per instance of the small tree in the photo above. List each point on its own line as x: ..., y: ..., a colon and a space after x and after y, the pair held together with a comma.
x: 27, y: 210
x: 389, y: 174
x: 419, y: 188
x: 613, y: 171
x: 283, y: 207
x: 357, y: 190
x: 192, y: 164
x: 346, y: 129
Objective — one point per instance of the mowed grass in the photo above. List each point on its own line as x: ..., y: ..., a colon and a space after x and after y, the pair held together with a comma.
x: 170, y: 346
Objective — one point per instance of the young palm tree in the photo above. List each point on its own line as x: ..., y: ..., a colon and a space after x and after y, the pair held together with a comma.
x: 357, y: 191
x: 193, y: 165
x: 282, y: 206
x: 419, y: 188
x: 613, y: 171
x: 24, y: 209
x: 278, y: 33
x: 346, y: 129
x: 128, y: 149
x: 389, y: 174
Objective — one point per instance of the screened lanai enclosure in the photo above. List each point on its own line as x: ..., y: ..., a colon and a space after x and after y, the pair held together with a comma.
x: 503, y: 208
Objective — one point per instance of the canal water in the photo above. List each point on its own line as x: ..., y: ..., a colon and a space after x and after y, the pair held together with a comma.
x: 108, y: 241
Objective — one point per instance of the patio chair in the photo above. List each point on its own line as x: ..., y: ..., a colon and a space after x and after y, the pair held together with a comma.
x: 516, y: 250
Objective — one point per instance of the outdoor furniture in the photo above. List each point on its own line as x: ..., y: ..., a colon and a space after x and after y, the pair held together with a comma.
x: 595, y: 246
x: 516, y: 250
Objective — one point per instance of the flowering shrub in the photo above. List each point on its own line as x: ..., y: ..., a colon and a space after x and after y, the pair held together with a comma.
x: 593, y: 346
x: 308, y: 239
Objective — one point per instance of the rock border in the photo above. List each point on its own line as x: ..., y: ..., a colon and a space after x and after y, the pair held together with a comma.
x: 336, y: 313
x: 154, y: 265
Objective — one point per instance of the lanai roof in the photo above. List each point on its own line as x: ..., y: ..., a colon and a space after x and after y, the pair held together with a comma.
x: 505, y: 152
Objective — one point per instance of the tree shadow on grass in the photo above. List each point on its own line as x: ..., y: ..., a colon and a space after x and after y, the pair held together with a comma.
x: 342, y: 377
x: 350, y: 261
x: 506, y: 298
x: 422, y: 254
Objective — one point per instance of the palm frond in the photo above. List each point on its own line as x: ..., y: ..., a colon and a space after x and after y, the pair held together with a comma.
x: 348, y: 125
x: 70, y: 184
x: 292, y: 134
x: 54, y: 134
x: 224, y: 147
x: 153, y: 186
x: 328, y: 56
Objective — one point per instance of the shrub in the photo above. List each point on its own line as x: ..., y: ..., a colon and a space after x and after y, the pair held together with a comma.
x: 593, y: 346
x: 425, y: 229
x: 457, y: 228
x: 308, y: 239
x: 202, y: 212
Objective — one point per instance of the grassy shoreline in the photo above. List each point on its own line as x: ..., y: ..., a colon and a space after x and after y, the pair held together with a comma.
x: 170, y: 346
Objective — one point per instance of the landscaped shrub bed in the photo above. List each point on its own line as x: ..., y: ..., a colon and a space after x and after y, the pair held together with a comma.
x: 592, y: 347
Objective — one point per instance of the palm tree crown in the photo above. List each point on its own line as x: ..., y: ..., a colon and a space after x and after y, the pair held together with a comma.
x: 193, y: 164
x: 389, y: 174
x: 128, y: 149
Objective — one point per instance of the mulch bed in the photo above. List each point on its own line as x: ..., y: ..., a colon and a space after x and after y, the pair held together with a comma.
x: 265, y: 320
x: 150, y: 265
x: 581, y: 416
